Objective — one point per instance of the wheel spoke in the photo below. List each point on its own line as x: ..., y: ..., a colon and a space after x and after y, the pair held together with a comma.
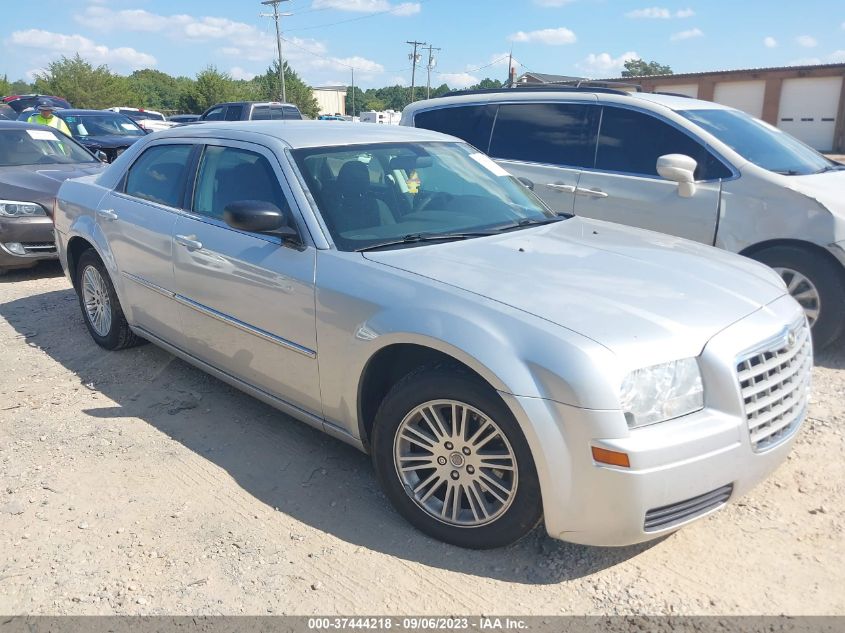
x: 414, y: 436
x: 495, y: 463
x: 472, y: 440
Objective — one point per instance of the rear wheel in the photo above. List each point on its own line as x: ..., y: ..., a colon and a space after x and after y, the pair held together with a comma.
x: 100, y: 305
x: 453, y: 460
x: 816, y: 283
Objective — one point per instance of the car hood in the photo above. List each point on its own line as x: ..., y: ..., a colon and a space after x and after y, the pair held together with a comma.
x: 826, y: 189
x: 109, y: 142
x: 40, y: 183
x: 635, y: 292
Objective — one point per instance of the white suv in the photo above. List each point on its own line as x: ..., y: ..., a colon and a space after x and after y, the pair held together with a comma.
x: 671, y: 164
x: 149, y: 120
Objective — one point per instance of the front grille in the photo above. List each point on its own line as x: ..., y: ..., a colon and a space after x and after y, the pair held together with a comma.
x: 39, y: 247
x: 775, y: 385
x: 676, y: 513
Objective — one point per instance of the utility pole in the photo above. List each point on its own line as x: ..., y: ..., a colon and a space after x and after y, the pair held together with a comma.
x: 414, y: 57
x: 276, y: 15
x: 353, y: 94
x: 431, y: 63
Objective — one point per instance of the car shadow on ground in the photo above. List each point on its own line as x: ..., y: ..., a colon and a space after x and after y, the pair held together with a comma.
x: 41, y: 270
x: 832, y: 357
x: 285, y: 464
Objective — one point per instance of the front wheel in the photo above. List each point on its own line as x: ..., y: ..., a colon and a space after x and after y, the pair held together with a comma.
x: 816, y: 283
x: 453, y: 460
x: 100, y: 305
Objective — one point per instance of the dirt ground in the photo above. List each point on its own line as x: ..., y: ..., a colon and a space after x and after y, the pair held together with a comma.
x: 133, y: 483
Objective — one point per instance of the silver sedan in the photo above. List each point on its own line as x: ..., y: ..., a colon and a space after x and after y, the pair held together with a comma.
x: 501, y: 363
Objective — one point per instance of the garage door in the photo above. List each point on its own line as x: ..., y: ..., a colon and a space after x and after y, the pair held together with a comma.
x: 808, y: 110
x: 742, y: 95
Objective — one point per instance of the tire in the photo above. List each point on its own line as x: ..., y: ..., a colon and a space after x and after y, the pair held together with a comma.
x: 479, y: 519
x: 111, y: 332
x: 827, y: 279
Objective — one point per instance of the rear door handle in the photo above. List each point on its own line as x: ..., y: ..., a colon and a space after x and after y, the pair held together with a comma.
x: 107, y: 214
x: 189, y: 242
x: 590, y: 192
x: 556, y: 186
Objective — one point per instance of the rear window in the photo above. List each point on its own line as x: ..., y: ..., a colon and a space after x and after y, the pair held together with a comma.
x: 275, y: 113
x: 470, y: 123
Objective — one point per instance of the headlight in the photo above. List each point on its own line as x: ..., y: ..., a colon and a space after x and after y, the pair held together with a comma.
x: 662, y: 392
x: 14, y: 209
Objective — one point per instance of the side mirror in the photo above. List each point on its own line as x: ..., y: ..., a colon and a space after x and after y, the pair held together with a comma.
x: 526, y: 182
x: 680, y: 169
x: 257, y: 216
x: 102, y: 156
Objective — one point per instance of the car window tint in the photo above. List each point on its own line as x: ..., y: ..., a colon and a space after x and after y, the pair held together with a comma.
x: 470, y: 123
x: 261, y: 113
x: 227, y: 175
x: 554, y: 133
x: 631, y: 142
x: 291, y: 113
x: 233, y: 113
x: 159, y: 174
x: 216, y: 114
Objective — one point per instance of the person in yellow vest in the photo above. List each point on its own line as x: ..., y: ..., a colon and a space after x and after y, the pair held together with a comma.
x: 46, y: 117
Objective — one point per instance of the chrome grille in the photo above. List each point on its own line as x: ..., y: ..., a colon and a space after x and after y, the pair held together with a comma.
x: 673, y: 514
x: 775, y: 381
x: 39, y: 247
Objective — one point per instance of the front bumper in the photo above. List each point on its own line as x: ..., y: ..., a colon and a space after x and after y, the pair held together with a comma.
x: 36, y: 236
x: 680, y: 470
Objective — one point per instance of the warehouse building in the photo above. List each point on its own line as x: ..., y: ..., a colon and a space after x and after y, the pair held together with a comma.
x: 808, y: 102
x: 331, y: 99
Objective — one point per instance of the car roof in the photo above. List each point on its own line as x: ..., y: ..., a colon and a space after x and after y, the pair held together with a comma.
x: 679, y: 102
x: 227, y: 103
x: 301, y: 134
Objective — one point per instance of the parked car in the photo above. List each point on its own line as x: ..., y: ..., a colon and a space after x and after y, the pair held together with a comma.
x: 676, y: 165
x: 399, y: 290
x: 148, y: 120
x: 34, y: 160
x: 19, y: 103
x: 184, y: 118
x: 251, y: 111
x: 102, y: 131
x: 7, y: 113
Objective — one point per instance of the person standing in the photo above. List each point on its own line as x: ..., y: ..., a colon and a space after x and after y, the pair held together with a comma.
x: 46, y: 117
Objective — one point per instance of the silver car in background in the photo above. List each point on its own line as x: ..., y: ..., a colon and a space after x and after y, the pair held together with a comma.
x: 501, y: 362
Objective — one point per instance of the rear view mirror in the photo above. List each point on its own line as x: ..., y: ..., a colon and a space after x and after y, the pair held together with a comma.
x: 680, y: 169
x: 257, y: 216
x: 102, y: 156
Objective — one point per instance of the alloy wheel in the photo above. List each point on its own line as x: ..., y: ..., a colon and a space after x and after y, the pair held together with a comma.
x: 803, y: 291
x: 95, y: 296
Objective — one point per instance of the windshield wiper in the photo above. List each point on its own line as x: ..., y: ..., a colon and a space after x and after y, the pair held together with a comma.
x: 525, y: 222
x: 414, y: 238
x: 828, y: 168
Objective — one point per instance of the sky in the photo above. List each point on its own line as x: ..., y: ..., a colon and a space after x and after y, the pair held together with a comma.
x: 325, y: 39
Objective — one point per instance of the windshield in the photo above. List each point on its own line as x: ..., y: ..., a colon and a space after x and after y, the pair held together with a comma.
x: 142, y: 115
x: 39, y: 147
x: 757, y: 141
x: 374, y: 194
x: 105, y: 124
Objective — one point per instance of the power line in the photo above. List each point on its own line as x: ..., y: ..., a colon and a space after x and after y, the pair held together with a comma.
x: 276, y: 15
x: 429, y: 67
x: 415, y: 58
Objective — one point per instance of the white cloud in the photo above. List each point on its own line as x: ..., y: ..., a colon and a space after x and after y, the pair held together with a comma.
x: 236, y: 72
x: 687, y: 35
x: 659, y: 13
x: 59, y: 43
x: 770, y: 42
x: 552, y: 37
x: 684, y: 13
x: 458, y: 80
x: 368, y: 6
x: 807, y: 41
x: 837, y: 56
x: 604, y: 64
x: 552, y: 3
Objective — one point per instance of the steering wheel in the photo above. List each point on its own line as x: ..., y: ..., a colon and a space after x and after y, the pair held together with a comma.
x: 426, y: 199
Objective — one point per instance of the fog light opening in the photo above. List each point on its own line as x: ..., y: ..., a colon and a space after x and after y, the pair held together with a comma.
x: 15, y: 247
x: 614, y: 458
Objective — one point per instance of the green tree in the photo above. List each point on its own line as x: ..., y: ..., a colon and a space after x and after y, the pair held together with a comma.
x: 359, y: 101
x: 297, y: 91
x: 5, y: 86
x: 21, y: 87
x: 641, y: 68
x: 487, y: 84
x: 84, y: 85
x: 156, y: 90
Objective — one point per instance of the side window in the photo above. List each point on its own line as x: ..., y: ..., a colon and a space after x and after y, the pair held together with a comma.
x: 470, y: 123
x: 216, y: 114
x: 631, y: 142
x: 233, y: 113
x: 553, y: 133
x: 159, y: 174
x: 228, y: 174
x: 291, y: 113
x: 261, y: 113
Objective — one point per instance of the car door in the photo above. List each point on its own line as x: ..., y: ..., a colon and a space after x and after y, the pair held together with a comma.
x: 548, y: 144
x: 137, y: 220
x: 624, y: 186
x: 246, y: 299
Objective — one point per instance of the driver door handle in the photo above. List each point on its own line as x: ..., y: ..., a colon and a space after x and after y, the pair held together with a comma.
x: 590, y: 192
x: 107, y: 214
x: 556, y: 186
x: 189, y: 242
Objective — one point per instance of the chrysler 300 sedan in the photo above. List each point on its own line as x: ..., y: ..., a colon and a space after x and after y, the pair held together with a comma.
x: 394, y: 287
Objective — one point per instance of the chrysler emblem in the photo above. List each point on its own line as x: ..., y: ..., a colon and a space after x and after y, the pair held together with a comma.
x: 790, y: 340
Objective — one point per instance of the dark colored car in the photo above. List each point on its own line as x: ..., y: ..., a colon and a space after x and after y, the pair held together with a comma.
x: 19, y: 103
x: 184, y: 118
x: 34, y: 161
x: 251, y: 111
x: 102, y: 130
x: 6, y: 113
